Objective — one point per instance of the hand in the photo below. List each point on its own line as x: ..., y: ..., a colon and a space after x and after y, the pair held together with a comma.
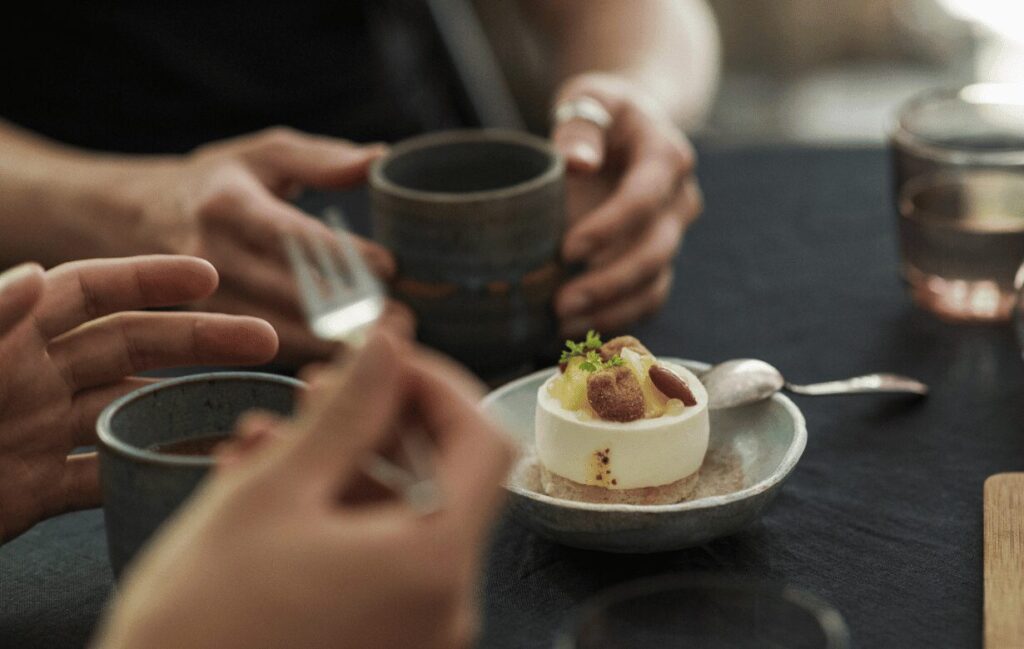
x: 227, y: 202
x: 273, y: 551
x: 67, y: 348
x: 632, y: 193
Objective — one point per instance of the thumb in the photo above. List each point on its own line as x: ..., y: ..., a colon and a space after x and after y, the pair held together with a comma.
x: 20, y: 289
x: 580, y: 140
x: 581, y: 144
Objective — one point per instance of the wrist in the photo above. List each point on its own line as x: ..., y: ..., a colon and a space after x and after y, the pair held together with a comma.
x: 63, y: 206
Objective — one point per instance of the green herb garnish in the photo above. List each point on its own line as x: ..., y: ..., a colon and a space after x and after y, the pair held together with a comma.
x: 587, y: 350
x: 595, y: 363
x: 582, y: 348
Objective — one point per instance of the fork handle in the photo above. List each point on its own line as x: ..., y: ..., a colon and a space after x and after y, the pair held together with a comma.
x: 859, y: 384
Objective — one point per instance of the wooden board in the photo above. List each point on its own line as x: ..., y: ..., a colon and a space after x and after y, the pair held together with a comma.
x: 1004, y: 561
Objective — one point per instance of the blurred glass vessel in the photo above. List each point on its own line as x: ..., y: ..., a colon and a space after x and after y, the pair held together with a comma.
x: 958, y: 163
x: 705, y: 612
x: 1018, y: 319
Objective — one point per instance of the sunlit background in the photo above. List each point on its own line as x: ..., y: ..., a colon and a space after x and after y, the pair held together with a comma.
x: 834, y: 72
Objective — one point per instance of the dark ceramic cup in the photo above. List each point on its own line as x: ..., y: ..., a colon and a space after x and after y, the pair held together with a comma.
x: 142, y: 487
x: 474, y: 219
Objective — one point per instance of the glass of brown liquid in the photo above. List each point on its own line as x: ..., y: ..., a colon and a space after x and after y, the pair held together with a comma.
x: 1019, y: 314
x: 958, y: 162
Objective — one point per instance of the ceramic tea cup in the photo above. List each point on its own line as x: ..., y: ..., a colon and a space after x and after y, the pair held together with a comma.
x: 474, y: 219
x: 142, y: 486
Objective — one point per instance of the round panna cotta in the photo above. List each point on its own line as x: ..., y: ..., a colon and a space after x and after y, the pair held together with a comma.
x: 651, y: 460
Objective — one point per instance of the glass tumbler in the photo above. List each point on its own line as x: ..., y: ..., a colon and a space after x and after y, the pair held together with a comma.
x: 958, y: 180
x: 705, y: 612
x: 1018, y: 319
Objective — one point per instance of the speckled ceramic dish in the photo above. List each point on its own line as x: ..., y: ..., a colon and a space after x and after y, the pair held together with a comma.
x: 751, y: 452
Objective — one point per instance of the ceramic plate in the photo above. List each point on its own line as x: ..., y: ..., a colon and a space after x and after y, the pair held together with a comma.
x: 752, y: 450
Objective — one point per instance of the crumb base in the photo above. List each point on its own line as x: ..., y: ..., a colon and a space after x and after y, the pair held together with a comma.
x: 673, y: 492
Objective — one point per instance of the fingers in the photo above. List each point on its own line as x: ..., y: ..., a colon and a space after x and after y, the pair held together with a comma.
x: 253, y: 431
x: 88, y: 404
x: 310, y: 160
x: 616, y: 316
x: 80, y: 482
x: 643, y: 191
x: 581, y: 143
x: 657, y: 160
x: 474, y: 455
x: 117, y: 346
x: 20, y: 290
x: 245, y: 212
x: 652, y: 252
x: 297, y: 344
x: 86, y: 290
x: 398, y: 319
x: 377, y: 257
x: 350, y: 411
x: 257, y: 278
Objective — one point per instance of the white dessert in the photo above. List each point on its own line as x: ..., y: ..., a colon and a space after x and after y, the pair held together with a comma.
x: 647, y: 452
x: 653, y: 458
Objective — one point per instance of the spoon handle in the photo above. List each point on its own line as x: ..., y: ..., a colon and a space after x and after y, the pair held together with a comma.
x: 866, y: 383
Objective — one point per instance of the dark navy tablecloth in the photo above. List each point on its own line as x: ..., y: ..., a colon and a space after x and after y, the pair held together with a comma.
x: 794, y: 261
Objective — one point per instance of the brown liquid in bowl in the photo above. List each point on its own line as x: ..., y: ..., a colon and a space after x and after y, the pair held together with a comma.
x: 200, y: 445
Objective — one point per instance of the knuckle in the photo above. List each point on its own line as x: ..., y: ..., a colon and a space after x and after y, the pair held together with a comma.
x: 275, y: 141
x: 224, y: 196
x: 276, y: 135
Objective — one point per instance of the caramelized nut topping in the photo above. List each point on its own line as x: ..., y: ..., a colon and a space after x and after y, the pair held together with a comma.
x: 671, y: 385
x: 614, y: 347
x: 615, y: 394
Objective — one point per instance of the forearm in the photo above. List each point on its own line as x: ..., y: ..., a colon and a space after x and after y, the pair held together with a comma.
x: 669, y: 48
x: 60, y: 203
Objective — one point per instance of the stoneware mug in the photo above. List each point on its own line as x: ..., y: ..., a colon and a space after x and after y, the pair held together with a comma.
x: 143, y: 487
x: 474, y: 219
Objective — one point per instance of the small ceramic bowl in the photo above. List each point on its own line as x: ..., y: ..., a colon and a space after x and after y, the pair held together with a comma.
x: 751, y: 452
x: 142, y: 487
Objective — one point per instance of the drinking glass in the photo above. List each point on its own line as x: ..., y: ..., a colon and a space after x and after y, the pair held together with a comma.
x: 958, y: 165
x: 705, y: 612
x: 1019, y: 312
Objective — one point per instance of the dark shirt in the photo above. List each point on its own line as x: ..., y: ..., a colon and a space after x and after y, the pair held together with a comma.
x: 167, y: 76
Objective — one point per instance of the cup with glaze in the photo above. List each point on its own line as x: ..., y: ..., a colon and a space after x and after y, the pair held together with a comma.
x: 474, y: 219
x: 143, y: 486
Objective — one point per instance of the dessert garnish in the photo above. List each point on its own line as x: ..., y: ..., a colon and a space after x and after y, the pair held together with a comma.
x: 618, y: 380
x: 671, y: 385
x: 615, y: 394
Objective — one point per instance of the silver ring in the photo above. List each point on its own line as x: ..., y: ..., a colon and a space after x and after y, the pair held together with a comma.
x: 585, y: 108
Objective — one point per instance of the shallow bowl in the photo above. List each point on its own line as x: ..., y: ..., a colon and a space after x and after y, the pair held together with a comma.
x: 752, y: 450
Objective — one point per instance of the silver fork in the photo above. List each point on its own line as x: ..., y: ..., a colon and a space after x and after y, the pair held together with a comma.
x: 342, y: 300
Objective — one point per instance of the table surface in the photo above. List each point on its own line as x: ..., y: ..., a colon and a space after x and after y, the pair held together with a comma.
x: 794, y: 261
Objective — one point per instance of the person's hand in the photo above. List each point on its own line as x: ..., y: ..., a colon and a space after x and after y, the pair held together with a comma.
x: 632, y: 193
x: 69, y: 343
x: 227, y: 202
x: 274, y: 550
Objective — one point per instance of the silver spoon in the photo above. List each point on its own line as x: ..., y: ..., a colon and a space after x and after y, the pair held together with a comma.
x: 746, y: 380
